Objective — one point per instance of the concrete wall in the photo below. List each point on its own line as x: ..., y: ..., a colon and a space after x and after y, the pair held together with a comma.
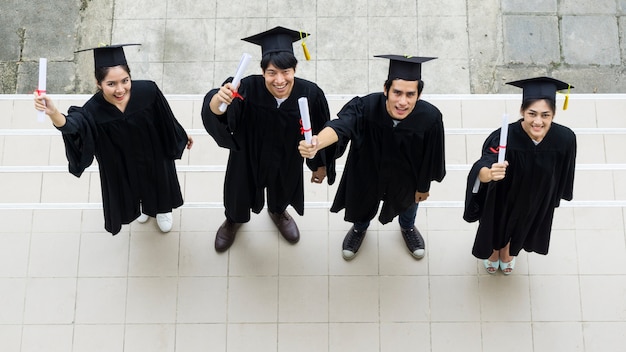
x: 191, y: 46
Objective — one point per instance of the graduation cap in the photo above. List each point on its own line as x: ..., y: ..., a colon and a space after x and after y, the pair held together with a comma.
x: 542, y: 88
x: 278, y: 39
x: 108, y: 55
x: 406, y: 67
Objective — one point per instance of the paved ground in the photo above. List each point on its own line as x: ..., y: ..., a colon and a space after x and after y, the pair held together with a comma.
x: 68, y: 286
x: 191, y: 46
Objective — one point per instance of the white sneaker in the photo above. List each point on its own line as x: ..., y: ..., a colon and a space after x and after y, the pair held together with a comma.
x: 142, y: 218
x: 164, y: 221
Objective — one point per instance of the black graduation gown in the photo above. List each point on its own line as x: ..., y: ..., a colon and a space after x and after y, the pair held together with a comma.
x: 135, y: 150
x: 385, y: 162
x: 263, y: 141
x: 520, y: 208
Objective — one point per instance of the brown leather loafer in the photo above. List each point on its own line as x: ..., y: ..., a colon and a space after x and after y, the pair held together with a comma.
x: 225, y: 235
x: 286, y: 226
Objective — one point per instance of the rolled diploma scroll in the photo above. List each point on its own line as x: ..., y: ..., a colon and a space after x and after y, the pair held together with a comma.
x: 501, y: 148
x: 303, y: 103
x: 503, y: 135
x: 243, y: 63
x: 41, y: 115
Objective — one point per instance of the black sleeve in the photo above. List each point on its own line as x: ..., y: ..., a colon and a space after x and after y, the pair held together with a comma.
x: 347, y: 126
x: 79, y: 138
x: 222, y: 127
x: 173, y: 136
x: 474, y: 201
x: 320, y: 115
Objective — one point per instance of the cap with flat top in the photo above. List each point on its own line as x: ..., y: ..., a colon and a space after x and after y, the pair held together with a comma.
x: 406, y: 67
x: 277, y: 39
x: 540, y: 87
x: 108, y: 55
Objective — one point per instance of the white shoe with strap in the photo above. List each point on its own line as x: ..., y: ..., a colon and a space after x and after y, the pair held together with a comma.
x: 165, y: 221
x: 143, y: 218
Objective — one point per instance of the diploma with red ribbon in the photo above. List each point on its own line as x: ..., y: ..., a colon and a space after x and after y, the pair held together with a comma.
x: 503, y: 137
x: 303, y: 103
x: 243, y: 63
x: 41, y: 115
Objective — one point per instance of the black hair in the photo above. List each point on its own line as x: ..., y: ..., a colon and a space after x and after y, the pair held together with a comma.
x: 101, y: 72
x: 420, y: 85
x: 527, y: 103
x: 282, y: 60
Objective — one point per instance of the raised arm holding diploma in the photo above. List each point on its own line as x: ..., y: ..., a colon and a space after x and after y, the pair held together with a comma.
x: 243, y: 64
x: 41, y: 115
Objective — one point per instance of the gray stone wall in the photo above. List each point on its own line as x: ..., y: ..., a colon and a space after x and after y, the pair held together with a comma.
x: 191, y: 46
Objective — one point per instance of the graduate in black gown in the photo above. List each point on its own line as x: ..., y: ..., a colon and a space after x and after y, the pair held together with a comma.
x: 514, y: 201
x: 261, y: 127
x: 397, y: 149
x: 130, y: 129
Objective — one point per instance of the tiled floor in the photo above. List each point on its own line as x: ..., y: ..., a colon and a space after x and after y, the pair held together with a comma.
x: 66, y: 285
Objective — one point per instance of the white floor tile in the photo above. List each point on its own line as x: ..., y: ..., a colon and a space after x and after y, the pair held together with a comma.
x: 11, y: 337
x: 312, y: 337
x: 200, y: 337
x: 101, y: 300
x: 153, y: 254
x: 50, y: 301
x: 103, y: 255
x: 252, y: 337
x: 404, y: 299
x: 353, y: 299
x: 53, y: 255
x: 253, y: 299
x: 604, y: 336
x: 558, y: 336
x: 202, y: 300
x: 98, y: 338
x: 455, y: 337
x: 14, y: 254
x: 517, y: 337
x: 49, y: 338
x: 362, y: 337
x: 454, y: 298
x: 603, y: 298
x: 151, y: 300
x: 555, y: 298
x: 12, y: 292
x: 303, y: 299
x: 152, y: 337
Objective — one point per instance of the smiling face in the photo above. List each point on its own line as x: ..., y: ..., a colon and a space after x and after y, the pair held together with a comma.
x: 279, y: 81
x: 537, y: 119
x: 401, y: 98
x: 116, y: 86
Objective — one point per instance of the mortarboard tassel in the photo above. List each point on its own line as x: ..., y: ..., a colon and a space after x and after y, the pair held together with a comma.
x: 566, y: 102
x: 307, y: 55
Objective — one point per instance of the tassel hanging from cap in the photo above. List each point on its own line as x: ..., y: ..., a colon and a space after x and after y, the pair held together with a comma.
x: 307, y: 55
x: 566, y: 102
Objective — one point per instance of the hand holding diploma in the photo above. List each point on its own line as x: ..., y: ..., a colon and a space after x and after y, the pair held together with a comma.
x: 45, y: 106
x: 308, y: 149
x: 243, y: 64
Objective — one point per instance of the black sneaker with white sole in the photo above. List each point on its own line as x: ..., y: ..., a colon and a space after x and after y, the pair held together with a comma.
x: 414, y: 242
x: 352, y: 243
